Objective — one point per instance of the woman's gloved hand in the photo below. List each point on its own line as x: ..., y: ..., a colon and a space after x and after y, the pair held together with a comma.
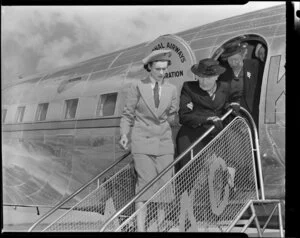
x: 235, y: 106
x: 216, y: 121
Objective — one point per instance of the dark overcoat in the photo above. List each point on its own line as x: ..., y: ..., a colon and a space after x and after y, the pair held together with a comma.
x: 194, y: 121
x: 250, y: 78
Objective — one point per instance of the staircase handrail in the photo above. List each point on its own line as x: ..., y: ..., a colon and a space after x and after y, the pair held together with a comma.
x: 61, y: 203
x: 256, y: 144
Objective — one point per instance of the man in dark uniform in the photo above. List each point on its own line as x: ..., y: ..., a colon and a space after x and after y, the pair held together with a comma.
x: 242, y: 76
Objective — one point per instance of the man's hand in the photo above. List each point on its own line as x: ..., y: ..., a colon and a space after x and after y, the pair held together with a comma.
x: 124, y: 142
x: 217, y: 122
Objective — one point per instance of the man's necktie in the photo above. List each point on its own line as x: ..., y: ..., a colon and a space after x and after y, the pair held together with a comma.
x: 156, y: 95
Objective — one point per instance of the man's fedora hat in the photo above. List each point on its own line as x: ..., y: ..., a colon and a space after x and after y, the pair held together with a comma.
x: 207, y: 68
x: 157, y: 55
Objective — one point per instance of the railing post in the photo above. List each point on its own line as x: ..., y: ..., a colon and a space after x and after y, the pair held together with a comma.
x: 256, y: 220
x: 280, y: 220
x: 257, y: 150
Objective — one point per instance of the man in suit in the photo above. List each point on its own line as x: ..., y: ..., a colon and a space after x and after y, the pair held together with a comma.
x: 150, y: 107
x: 242, y: 76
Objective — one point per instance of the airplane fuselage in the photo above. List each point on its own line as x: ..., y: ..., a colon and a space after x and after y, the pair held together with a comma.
x: 61, y: 128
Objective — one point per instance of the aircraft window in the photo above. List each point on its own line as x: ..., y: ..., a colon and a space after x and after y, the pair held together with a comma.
x: 71, y: 107
x: 107, y: 104
x: 20, y: 114
x: 41, y: 112
x: 4, y: 111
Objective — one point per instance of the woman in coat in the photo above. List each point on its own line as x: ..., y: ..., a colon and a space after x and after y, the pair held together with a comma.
x: 150, y: 108
x: 242, y: 76
x: 202, y: 103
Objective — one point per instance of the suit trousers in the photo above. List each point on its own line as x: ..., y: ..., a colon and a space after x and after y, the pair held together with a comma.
x: 147, y: 168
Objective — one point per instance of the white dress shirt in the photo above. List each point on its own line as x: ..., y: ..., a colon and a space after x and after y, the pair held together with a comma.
x: 153, y: 81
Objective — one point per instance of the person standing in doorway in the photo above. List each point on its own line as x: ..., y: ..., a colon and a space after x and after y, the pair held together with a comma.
x: 242, y: 77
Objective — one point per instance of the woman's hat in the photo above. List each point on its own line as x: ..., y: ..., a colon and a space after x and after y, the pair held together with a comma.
x: 233, y: 49
x: 157, y: 55
x: 207, y: 68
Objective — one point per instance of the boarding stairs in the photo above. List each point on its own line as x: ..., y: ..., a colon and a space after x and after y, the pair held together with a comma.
x: 213, y: 192
x: 98, y: 200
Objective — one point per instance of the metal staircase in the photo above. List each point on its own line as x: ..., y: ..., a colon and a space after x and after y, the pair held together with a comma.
x: 102, y: 196
x: 211, y: 193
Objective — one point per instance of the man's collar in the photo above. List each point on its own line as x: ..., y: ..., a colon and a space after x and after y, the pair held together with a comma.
x: 153, y: 81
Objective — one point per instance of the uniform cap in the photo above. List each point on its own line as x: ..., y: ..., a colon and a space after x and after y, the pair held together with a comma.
x: 157, y: 55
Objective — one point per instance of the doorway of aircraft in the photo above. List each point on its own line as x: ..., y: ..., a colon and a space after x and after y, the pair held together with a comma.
x: 254, y: 49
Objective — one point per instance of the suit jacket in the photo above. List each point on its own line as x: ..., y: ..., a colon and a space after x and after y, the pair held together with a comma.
x: 204, y: 106
x: 151, y: 132
x: 250, y: 76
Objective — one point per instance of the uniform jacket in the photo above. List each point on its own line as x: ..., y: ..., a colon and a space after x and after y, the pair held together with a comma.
x: 151, y: 131
x: 203, y: 105
x: 250, y: 70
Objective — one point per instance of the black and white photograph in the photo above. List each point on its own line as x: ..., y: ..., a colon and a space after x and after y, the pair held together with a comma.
x: 144, y: 118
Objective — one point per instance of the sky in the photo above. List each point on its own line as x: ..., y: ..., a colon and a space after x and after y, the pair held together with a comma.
x: 36, y: 39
